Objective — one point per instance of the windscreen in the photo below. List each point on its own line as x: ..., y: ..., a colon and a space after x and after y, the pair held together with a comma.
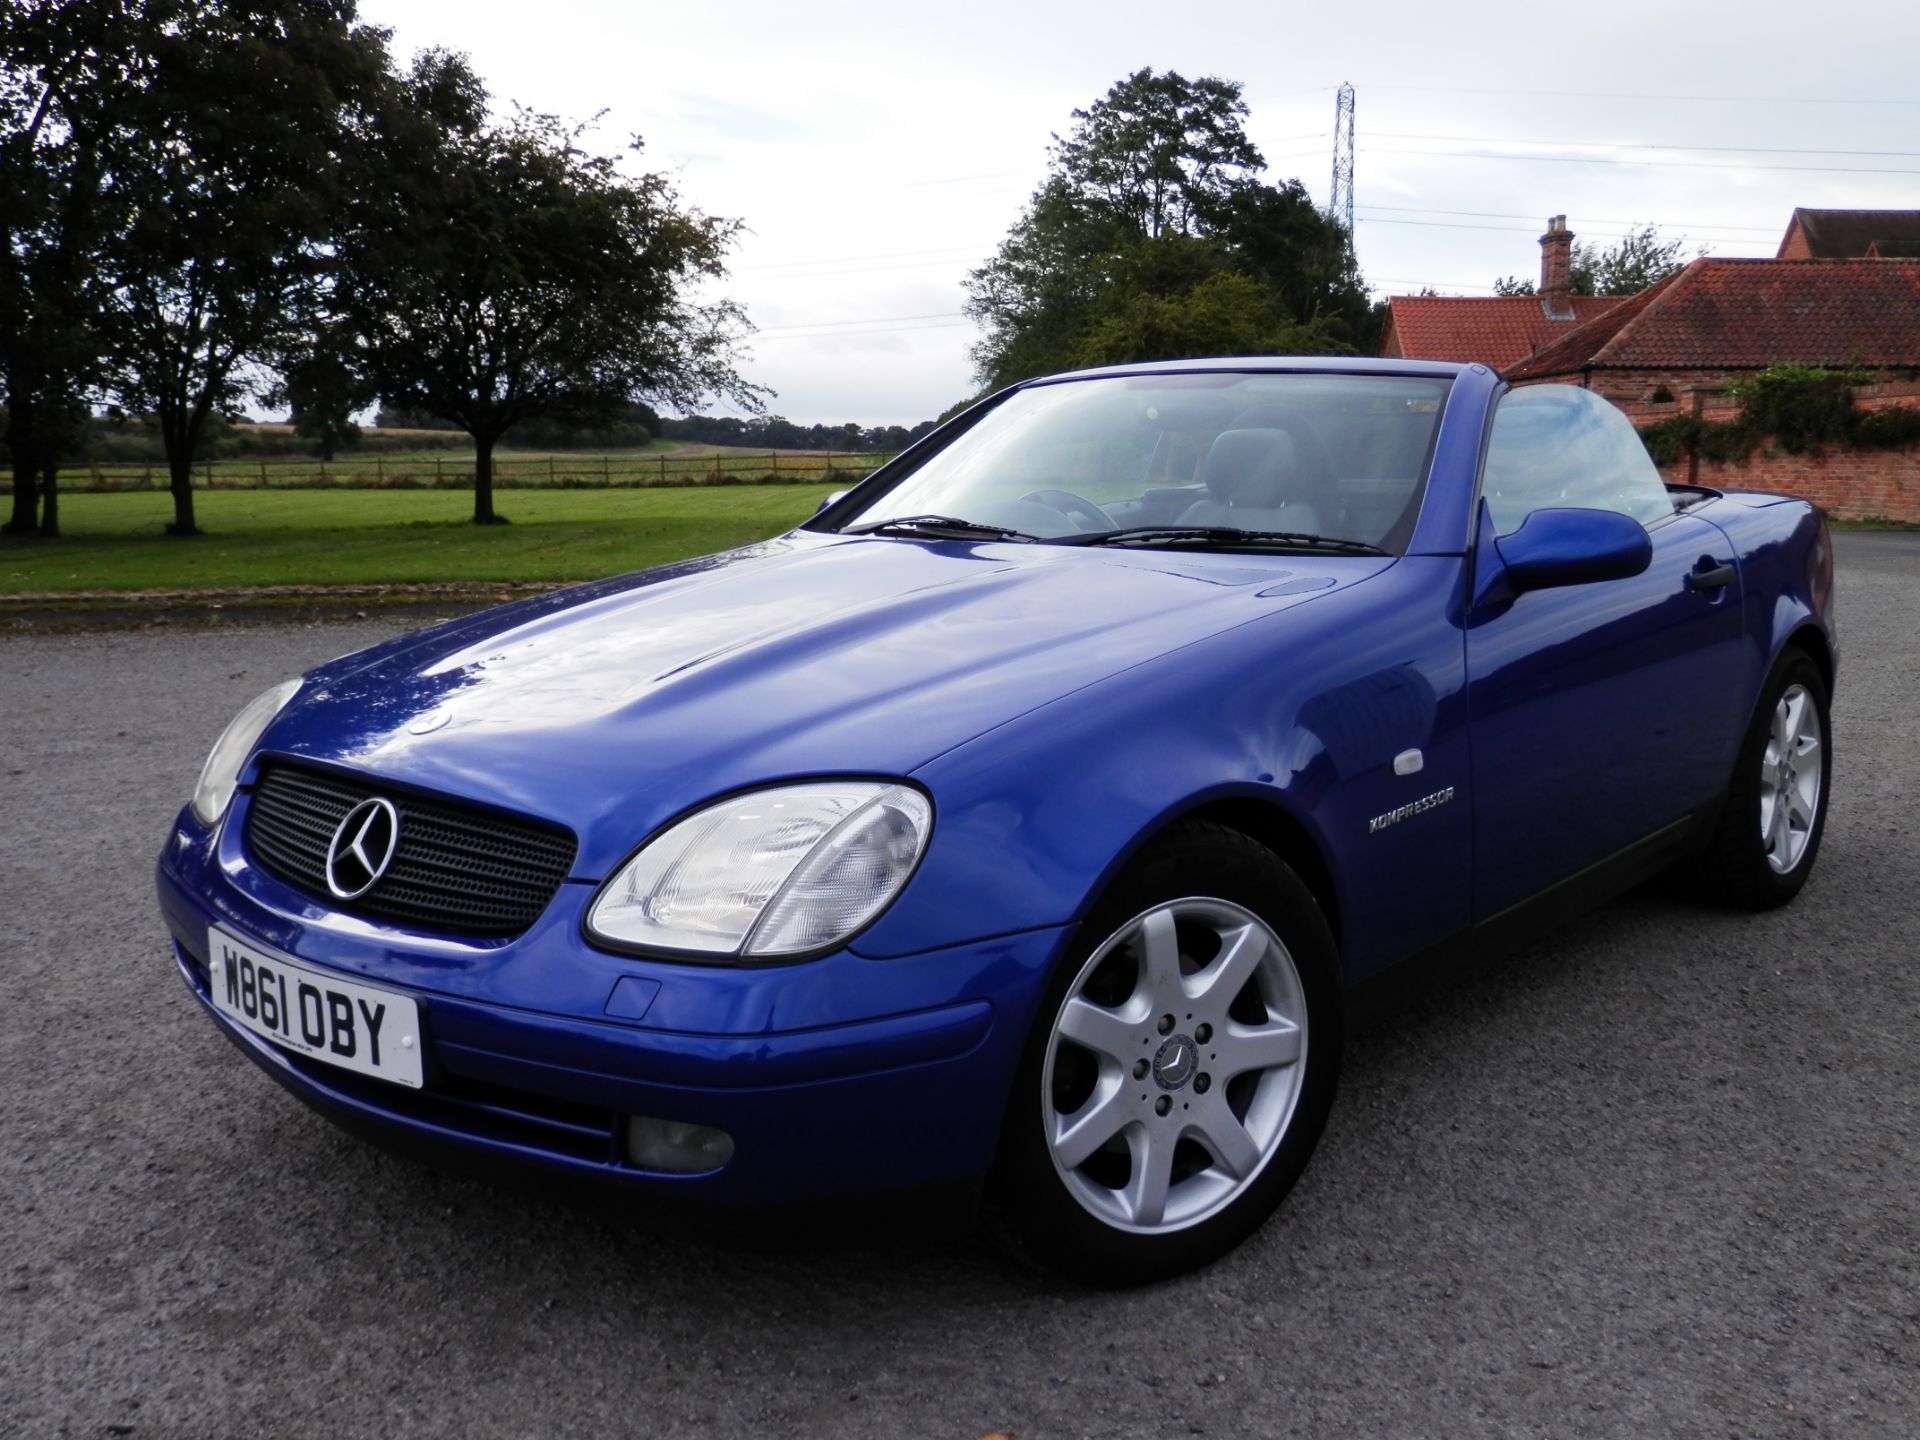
x: 1342, y: 456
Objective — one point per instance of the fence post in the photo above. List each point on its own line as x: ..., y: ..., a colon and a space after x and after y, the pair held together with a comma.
x: 606, y: 469
x: 379, y: 470
x: 436, y: 472
x: 663, y: 469
x: 263, y: 472
x: 773, y: 460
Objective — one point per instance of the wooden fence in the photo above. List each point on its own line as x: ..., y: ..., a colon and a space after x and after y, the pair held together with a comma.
x: 510, y: 472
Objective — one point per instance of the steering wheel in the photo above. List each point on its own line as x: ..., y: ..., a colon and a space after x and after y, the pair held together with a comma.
x: 1074, y: 507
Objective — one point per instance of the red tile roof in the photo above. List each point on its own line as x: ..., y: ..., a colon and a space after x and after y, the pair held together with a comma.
x: 1497, y: 330
x: 1576, y: 347
x: 1851, y: 234
x: 1748, y: 314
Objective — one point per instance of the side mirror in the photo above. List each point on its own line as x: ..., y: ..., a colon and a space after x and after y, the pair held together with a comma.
x: 833, y: 499
x: 1574, y: 547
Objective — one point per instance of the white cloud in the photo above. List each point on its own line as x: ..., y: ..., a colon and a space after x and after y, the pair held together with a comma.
x: 877, y: 151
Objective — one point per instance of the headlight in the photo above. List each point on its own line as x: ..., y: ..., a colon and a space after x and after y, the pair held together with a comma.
x: 777, y: 872
x: 231, y: 750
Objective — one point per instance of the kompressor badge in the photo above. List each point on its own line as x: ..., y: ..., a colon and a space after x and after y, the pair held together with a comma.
x: 1415, y: 807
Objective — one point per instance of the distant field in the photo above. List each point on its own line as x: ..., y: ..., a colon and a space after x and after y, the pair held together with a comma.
x: 663, y: 463
x: 323, y: 537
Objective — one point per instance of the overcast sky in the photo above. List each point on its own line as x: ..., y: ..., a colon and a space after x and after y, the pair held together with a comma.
x: 877, y: 152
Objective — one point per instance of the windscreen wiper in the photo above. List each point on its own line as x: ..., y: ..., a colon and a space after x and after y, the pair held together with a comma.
x: 1221, y: 536
x: 938, y: 527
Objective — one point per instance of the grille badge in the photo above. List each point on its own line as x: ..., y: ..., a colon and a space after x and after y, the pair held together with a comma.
x: 362, y: 848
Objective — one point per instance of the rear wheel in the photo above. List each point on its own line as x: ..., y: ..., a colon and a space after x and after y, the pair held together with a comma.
x: 1768, y: 834
x: 1181, y: 1068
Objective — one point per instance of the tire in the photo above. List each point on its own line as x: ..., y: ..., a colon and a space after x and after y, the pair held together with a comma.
x: 1761, y: 852
x: 1180, y: 1069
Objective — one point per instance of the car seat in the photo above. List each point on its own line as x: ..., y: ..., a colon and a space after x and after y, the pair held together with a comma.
x: 1255, y: 481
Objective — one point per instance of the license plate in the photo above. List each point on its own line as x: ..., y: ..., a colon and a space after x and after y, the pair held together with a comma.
x: 339, y: 1022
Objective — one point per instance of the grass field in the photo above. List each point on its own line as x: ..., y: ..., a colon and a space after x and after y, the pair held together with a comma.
x: 332, y: 537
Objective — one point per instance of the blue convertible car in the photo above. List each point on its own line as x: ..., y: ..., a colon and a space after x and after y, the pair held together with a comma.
x: 1030, y: 813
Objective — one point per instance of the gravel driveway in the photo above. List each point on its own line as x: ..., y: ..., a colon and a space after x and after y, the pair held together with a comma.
x: 1659, y: 1176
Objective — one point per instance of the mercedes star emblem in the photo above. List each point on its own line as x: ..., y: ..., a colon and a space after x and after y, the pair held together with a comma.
x: 362, y: 848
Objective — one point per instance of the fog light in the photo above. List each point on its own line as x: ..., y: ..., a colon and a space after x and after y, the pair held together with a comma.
x: 676, y: 1147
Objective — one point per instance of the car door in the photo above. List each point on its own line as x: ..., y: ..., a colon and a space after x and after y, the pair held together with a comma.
x: 1595, y: 708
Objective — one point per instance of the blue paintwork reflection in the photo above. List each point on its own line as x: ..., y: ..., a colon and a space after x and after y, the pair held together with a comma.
x: 821, y: 656
x: 1574, y: 547
x: 1612, y: 707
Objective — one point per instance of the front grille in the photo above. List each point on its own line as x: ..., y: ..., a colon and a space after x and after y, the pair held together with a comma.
x: 455, y: 868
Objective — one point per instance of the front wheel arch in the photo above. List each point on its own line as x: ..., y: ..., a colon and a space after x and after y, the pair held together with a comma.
x: 1269, y: 825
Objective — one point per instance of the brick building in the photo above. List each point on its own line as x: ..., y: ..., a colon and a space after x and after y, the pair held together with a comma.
x: 1851, y: 235
x: 1844, y: 292
x: 1717, y: 320
x: 1498, y: 331
x: 1673, y: 349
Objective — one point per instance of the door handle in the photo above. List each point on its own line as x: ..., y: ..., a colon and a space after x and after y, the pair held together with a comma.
x: 1708, y: 575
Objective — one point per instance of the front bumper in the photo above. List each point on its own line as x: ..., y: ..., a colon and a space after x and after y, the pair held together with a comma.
x: 837, y: 1076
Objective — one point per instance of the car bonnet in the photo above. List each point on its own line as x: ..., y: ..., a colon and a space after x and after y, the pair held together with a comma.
x: 612, y: 708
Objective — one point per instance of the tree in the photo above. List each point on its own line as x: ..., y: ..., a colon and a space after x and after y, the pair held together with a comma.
x: 1153, y: 192
x: 1033, y: 295
x: 1640, y: 258
x: 255, y: 114
x: 1277, y: 234
x: 1158, y: 153
x: 323, y: 383
x: 67, y: 73
x: 1225, y: 314
x: 501, y: 273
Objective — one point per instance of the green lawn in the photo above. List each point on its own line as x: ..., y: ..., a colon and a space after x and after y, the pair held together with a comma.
x: 328, y: 537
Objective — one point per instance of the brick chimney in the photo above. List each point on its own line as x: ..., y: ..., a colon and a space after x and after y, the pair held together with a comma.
x: 1556, y: 270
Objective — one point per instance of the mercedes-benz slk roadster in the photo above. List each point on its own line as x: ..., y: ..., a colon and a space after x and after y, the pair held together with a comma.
x: 1030, y: 813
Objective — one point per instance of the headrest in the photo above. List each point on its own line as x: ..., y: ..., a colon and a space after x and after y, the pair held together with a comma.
x: 1251, y: 467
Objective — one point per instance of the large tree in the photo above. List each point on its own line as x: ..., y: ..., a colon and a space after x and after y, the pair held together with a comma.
x: 256, y: 117
x: 1152, y: 212
x: 69, y: 73
x: 1158, y: 154
x: 503, y: 273
x: 1224, y: 314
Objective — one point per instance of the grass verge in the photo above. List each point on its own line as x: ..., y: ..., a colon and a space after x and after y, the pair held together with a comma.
x: 325, y: 537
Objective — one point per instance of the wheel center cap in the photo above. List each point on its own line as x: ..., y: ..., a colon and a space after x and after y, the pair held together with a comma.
x: 1175, y: 1061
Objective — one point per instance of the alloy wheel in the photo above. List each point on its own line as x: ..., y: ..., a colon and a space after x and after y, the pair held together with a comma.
x: 1174, y: 1065
x: 1790, y: 776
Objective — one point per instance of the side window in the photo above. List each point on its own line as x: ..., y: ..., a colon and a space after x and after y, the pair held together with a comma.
x: 1558, y: 446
